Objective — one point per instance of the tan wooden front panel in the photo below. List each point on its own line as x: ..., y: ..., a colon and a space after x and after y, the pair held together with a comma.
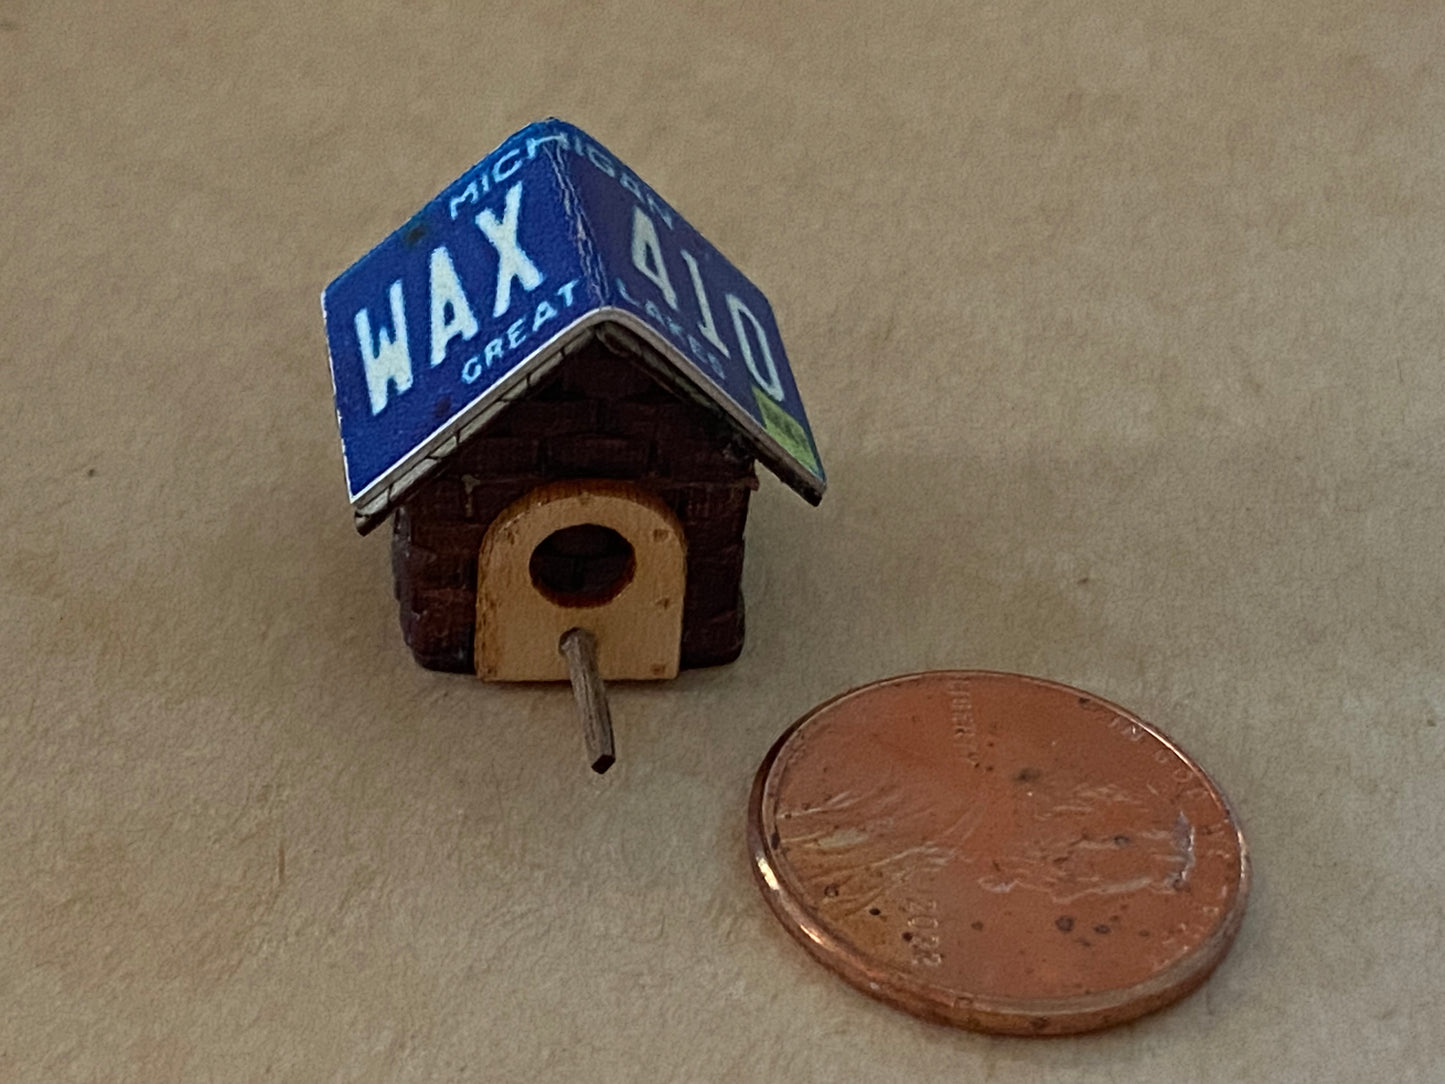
x: 639, y: 631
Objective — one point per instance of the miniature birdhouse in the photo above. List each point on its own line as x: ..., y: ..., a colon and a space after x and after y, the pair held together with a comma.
x: 558, y: 390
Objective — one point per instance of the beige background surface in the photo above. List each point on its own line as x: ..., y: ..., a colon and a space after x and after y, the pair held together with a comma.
x: 1120, y: 326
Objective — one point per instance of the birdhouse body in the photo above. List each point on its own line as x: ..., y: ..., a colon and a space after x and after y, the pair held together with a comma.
x: 601, y: 419
x: 560, y: 389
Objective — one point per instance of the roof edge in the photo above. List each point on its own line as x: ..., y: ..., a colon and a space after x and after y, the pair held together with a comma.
x: 621, y: 331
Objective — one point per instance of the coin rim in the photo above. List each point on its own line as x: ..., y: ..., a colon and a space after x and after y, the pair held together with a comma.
x: 999, y: 1015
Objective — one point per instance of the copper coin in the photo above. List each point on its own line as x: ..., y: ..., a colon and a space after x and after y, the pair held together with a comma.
x: 998, y: 852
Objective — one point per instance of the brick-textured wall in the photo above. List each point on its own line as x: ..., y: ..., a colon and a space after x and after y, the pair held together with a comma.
x: 601, y: 416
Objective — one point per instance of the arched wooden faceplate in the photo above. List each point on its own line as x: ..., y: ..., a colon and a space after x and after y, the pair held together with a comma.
x: 520, y: 621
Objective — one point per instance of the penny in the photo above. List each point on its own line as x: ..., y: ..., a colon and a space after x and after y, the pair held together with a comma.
x: 998, y: 852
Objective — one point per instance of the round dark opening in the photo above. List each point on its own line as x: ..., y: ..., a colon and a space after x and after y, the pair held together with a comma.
x: 585, y: 565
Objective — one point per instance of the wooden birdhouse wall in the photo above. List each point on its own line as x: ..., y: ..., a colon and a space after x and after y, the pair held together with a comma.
x: 602, y: 415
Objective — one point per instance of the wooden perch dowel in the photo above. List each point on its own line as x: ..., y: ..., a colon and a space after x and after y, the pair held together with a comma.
x: 579, y: 648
